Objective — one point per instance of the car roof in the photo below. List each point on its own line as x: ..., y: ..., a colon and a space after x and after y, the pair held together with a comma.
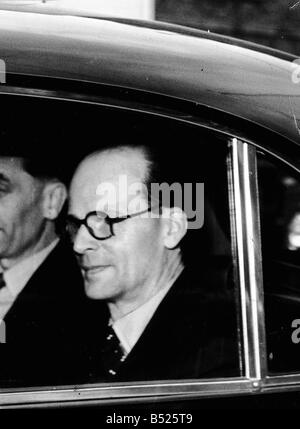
x: 239, y: 78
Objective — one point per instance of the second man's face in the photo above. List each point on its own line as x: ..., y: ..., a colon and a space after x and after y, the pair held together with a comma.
x: 21, y: 216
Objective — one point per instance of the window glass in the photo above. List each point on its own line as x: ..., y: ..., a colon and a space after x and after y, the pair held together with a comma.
x: 130, y: 278
x: 279, y: 192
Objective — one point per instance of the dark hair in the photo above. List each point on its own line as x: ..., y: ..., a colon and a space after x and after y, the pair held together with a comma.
x: 37, y: 143
x: 43, y: 169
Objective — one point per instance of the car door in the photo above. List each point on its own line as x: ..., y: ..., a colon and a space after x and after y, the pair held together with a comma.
x: 224, y: 237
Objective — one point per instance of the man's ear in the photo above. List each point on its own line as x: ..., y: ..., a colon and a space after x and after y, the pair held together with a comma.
x: 55, y: 195
x: 175, y: 226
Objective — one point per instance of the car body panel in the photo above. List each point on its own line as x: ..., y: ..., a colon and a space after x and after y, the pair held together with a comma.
x: 193, y: 66
x: 256, y: 86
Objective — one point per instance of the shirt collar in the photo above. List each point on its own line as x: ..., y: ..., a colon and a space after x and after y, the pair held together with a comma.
x: 17, y: 276
x: 130, y: 327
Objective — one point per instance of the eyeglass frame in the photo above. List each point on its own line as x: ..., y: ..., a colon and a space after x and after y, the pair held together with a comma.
x: 110, y: 221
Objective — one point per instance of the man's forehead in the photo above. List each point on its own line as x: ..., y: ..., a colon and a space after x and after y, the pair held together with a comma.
x: 108, y: 177
x: 110, y: 166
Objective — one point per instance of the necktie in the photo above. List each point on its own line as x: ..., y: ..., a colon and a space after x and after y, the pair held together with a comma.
x: 2, y: 281
x: 112, y: 353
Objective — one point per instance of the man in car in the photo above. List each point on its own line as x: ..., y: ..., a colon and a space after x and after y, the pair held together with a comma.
x: 41, y: 289
x: 153, y: 320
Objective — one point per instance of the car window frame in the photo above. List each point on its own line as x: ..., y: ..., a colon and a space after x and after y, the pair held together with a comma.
x: 244, y: 196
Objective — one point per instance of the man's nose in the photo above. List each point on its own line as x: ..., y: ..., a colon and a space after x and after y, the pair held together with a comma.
x: 83, y: 241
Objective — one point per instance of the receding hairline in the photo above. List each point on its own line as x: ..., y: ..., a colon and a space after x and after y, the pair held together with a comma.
x: 119, y: 150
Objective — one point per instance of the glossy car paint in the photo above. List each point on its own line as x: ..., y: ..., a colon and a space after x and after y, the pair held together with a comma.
x: 257, y: 86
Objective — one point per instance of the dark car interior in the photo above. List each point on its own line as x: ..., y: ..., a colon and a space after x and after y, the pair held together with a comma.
x: 62, y: 133
x: 279, y: 192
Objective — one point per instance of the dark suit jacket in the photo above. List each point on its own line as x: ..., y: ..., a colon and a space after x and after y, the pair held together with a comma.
x: 192, y: 334
x: 43, y: 327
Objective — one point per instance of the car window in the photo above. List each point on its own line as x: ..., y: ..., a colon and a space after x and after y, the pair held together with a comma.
x: 279, y: 192
x: 62, y: 324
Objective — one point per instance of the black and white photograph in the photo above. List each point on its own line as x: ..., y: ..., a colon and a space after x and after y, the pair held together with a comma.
x: 149, y: 207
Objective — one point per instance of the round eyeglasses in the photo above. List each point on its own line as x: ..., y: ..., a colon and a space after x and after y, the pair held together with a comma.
x: 99, y: 224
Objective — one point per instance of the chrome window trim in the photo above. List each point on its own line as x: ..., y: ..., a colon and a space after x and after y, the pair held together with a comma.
x: 285, y: 380
x: 249, y: 258
x: 126, y: 391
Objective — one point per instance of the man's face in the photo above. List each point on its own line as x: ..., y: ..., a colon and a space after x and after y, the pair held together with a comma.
x: 126, y: 265
x: 21, y: 218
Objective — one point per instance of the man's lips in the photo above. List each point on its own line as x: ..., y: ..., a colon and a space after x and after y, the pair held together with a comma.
x: 90, y: 269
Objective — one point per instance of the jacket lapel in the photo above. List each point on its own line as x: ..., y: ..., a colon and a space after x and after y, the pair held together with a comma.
x: 190, y: 335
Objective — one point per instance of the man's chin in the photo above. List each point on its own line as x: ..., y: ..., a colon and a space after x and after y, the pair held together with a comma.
x: 98, y: 286
x: 97, y: 292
